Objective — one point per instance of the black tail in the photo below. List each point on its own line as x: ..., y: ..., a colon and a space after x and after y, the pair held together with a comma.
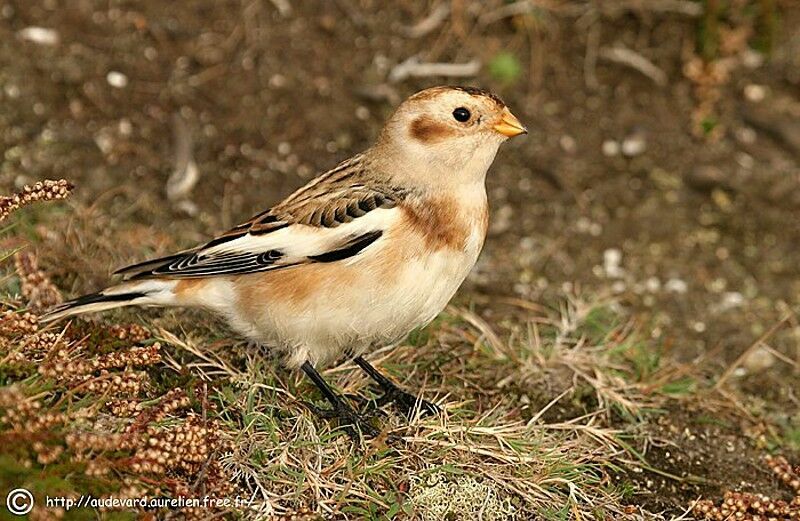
x: 91, y: 302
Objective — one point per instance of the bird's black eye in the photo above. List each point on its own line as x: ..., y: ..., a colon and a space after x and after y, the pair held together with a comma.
x: 461, y: 114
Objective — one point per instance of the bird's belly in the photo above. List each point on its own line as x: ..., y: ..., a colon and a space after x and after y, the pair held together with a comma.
x: 319, y: 311
x: 420, y: 291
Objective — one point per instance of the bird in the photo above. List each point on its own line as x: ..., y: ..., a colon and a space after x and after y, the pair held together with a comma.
x: 356, y: 259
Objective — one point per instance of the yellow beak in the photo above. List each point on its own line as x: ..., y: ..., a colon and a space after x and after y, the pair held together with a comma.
x: 509, y: 125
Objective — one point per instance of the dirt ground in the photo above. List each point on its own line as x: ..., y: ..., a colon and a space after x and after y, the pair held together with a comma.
x: 618, y: 190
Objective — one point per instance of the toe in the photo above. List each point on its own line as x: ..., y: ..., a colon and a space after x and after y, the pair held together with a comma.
x: 409, y: 403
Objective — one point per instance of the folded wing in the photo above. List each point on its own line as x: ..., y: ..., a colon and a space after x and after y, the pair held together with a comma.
x: 316, y: 224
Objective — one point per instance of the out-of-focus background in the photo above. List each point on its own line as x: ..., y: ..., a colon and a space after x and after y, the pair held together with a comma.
x: 661, y: 171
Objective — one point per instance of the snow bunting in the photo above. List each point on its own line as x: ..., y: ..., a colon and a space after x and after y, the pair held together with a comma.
x: 355, y: 259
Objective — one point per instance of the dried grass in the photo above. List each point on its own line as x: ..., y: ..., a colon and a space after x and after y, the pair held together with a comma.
x: 532, y: 424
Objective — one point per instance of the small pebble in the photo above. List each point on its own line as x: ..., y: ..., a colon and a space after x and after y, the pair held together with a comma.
x: 755, y: 93
x: 612, y: 258
x: 634, y: 145
x: 125, y: 127
x: 117, y: 80
x: 277, y: 81
x: 610, y: 148
x: 699, y: 327
x: 675, y: 285
x: 652, y: 284
x: 362, y: 113
x: 40, y: 35
x: 104, y: 142
x: 12, y: 91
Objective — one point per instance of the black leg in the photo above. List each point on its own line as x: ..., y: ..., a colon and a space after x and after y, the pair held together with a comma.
x: 406, y: 402
x: 341, y: 410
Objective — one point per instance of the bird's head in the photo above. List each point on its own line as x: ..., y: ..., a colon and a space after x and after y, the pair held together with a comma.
x: 453, y: 131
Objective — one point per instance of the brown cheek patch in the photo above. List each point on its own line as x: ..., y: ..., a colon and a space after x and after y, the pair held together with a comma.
x: 429, y: 130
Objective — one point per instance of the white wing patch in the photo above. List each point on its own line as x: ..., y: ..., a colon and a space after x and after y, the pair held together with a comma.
x: 288, y: 246
x: 299, y: 240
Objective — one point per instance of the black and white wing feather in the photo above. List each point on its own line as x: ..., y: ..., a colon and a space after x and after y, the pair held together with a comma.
x: 331, y: 219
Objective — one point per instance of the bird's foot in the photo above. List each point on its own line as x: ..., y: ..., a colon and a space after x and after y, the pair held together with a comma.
x: 368, y: 408
x: 407, y: 403
x: 353, y: 423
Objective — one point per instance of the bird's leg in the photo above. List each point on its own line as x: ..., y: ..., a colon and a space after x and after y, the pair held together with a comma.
x: 341, y: 410
x: 406, y: 402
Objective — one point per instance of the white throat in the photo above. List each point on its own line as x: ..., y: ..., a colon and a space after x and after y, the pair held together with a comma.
x: 445, y: 166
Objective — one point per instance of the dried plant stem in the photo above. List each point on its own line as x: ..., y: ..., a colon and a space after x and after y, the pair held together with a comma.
x: 47, y: 190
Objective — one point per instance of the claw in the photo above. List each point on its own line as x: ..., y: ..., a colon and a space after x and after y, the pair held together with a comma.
x: 404, y: 401
x: 348, y: 419
x: 408, y: 404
